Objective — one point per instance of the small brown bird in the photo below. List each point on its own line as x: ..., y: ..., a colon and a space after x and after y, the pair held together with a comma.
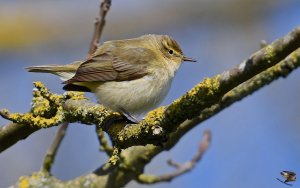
x: 131, y: 76
x: 288, y: 175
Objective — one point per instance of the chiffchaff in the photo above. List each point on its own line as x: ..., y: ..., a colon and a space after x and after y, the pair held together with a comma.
x: 131, y: 76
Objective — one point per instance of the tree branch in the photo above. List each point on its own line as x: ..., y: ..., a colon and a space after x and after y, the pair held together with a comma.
x: 99, y: 25
x: 104, y: 144
x: 203, y: 101
x: 52, y: 150
x: 189, y: 106
x: 208, y: 93
x: 281, y: 70
x: 180, y: 168
x: 11, y: 133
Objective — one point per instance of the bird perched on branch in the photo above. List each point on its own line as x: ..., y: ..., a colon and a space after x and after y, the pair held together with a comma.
x: 130, y: 76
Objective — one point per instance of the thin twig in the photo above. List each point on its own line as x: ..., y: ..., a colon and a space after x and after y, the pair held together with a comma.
x: 52, y: 150
x: 104, y: 144
x: 180, y: 168
x: 99, y: 25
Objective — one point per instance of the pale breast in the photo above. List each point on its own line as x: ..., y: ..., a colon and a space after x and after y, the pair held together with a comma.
x: 136, y: 96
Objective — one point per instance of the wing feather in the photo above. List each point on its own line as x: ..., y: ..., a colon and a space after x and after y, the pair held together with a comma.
x: 130, y: 64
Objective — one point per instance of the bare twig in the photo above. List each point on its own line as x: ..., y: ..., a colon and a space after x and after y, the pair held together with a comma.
x: 180, y: 168
x: 104, y: 144
x: 52, y: 150
x: 99, y: 25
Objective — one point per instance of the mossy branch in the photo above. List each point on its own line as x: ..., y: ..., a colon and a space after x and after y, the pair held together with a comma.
x: 104, y: 144
x: 162, y: 121
x: 170, y: 123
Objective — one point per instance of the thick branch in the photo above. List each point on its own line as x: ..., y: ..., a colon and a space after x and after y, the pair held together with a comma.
x: 203, y: 101
x: 211, y: 90
x: 12, y: 133
x: 281, y: 70
x: 201, y: 97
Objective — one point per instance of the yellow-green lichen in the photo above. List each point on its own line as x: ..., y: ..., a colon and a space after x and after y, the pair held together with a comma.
x: 99, y: 111
x: 44, y: 92
x: 37, y: 179
x: 75, y: 95
x: 24, y: 182
x: 39, y: 85
x: 269, y: 53
x: 40, y: 106
x: 114, y: 159
x: 38, y: 121
x: 192, y: 102
x: 127, y: 132
x: 209, y: 86
x: 155, y: 116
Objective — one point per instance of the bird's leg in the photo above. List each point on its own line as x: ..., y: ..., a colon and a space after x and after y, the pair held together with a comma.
x: 130, y: 118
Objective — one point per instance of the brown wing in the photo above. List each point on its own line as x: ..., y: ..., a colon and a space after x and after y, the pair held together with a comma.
x: 130, y: 64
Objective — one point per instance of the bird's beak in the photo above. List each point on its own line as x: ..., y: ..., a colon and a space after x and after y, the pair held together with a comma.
x: 188, y: 59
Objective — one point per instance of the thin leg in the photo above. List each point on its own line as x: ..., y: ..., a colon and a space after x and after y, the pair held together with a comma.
x: 128, y: 116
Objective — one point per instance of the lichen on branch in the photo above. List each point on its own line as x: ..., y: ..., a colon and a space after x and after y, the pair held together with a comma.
x: 166, y: 125
x: 159, y: 122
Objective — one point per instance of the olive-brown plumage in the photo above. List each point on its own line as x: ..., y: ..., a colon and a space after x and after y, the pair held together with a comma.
x: 132, y: 75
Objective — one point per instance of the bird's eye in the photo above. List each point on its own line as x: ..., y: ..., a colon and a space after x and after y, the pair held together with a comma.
x: 171, y: 52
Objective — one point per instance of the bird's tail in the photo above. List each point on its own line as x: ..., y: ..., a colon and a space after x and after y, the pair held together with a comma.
x: 65, y: 72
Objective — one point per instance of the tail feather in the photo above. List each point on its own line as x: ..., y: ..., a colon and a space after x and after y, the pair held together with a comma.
x: 46, y: 68
x: 65, y: 72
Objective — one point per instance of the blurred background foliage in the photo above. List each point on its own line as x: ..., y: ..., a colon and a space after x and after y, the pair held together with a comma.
x: 252, y: 141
